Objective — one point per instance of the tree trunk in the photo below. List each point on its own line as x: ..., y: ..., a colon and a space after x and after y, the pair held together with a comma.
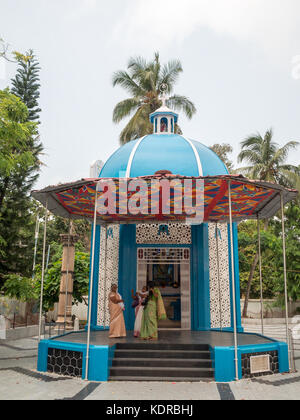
x: 250, y: 278
x: 3, y: 190
x: 251, y: 275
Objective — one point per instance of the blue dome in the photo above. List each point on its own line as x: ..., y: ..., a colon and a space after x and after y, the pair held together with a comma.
x: 155, y: 152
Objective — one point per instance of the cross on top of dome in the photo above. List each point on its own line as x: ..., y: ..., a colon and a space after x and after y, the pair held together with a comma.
x: 163, y: 119
x: 163, y: 89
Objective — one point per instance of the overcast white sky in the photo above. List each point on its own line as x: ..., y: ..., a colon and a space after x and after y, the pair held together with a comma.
x: 241, y: 61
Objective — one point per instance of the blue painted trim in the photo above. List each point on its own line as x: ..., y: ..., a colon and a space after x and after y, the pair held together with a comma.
x: 95, y: 277
x: 222, y: 357
x: 127, y: 270
x: 100, y: 357
x: 224, y: 364
x: 237, y: 280
x: 200, y: 293
x: 155, y: 114
x: 98, y: 328
x: 42, y: 356
x: 206, y: 285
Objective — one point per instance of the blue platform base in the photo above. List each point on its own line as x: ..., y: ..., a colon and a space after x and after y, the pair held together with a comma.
x: 70, y: 349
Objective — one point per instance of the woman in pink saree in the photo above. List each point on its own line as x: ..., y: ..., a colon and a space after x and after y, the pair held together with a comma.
x: 116, y: 308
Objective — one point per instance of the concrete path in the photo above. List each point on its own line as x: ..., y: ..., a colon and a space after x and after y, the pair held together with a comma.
x: 19, y: 380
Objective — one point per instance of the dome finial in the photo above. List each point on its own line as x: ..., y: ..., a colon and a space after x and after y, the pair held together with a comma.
x: 163, y: 90
x: 163, y: 119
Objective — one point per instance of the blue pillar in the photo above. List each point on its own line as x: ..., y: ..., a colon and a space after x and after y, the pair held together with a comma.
x: 127, y: 270
x: 95, y: 277
x: 200, y: 296
x: 237, y: 277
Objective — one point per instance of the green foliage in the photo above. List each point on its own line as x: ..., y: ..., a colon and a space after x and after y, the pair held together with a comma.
x: 223, y: 150
x: 292, y: 231
x: 28, y: 289
x: 267, y: 161
x: 53, y: 276
x: 15, y: 137
x: 20, y: 150
x: 272, y: 257
x: 20, y: 288
x: 26, y: 83
x: 18, y: 170
x: 143, y: 82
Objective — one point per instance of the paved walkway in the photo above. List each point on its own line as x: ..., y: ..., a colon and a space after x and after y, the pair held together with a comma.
x: 19, y: 380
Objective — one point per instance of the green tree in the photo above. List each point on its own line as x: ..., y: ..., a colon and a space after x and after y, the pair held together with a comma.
x: 143, y: 82
x: 271, y: 254
x: 292, y: 232
x: 53, y: 277
x: 26, y: 84
x: 27, y: 289
x: 223, y: 150
x: 20, y: 170
x: 266, y: 162
x: 19, y: 164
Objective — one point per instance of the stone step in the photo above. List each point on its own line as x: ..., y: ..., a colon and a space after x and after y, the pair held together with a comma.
x: 162, y: 346
x: 157, y: 379
x: 162, y: 354
x: 161, y: 362
x: 167, y: 372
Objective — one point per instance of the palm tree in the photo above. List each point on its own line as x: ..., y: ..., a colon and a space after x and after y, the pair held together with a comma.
x: 143, y: 82
x: 267, y: 162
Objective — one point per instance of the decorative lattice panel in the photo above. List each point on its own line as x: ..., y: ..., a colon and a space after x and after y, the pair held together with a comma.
x: 65, y: 362
x: 163, y: 255
x: 219, y: 281
x: 169, y: 233
x: 112, y: 271
x: 178, y: 256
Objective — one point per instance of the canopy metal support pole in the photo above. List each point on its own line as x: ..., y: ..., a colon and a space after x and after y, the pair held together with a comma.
x: 105, y: 283
x: 67, y: 274
x: 43, y: 272
x: 233, y: 286
x: 285, y: 277
x: 260, y: 277
x: 219, y: 285
x: 36, y: 237
x: 91, y: 288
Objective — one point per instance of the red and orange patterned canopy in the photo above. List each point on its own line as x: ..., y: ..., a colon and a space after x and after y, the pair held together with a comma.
x: 250, y: 199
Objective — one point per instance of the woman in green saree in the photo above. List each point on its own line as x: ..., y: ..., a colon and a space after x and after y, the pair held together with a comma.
x: 154, y: 310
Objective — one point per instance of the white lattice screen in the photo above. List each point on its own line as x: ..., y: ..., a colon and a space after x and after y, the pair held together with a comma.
x: 112, y: 271
x: 220, y: 316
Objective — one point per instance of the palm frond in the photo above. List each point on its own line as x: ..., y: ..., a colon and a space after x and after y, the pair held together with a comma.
x: 281, y: 154
x: 249, y: 156
x: 137, y: 126
x: 252, y: 141
x: 179, y: 103
x: 122, y: 78
x: 170, y: 73
x: 125, y: 108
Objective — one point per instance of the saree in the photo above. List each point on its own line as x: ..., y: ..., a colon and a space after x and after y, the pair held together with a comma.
x: 117, y: 324
x: 138, y: 318
x: 153, y: 311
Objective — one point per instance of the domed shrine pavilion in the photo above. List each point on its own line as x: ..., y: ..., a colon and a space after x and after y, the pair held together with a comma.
x: 195, y: 267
